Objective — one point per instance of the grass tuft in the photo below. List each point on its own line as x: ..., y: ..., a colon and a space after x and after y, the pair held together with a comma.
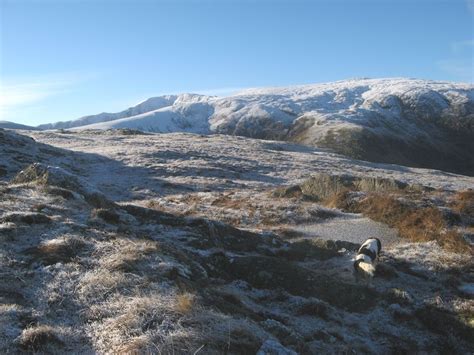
x: 129, y: 255
x: 184, y: 303
x: 463, y: 202
x: 39, y: 337
x: 57, y: 250
x: 396, y: 204
x: 415, y: 223
x: 323, y: 186
x: 28, y: 218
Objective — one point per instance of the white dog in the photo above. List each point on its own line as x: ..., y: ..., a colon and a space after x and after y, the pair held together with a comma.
x: 364, y: 262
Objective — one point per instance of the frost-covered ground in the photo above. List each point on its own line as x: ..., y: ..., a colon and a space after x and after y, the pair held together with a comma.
x: 174, y: 243
x: 217, y: 162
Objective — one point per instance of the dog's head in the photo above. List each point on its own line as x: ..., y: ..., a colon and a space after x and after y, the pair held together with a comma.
x: 379, y: 244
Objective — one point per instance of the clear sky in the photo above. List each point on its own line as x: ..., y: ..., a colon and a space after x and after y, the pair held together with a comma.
x: 62, y: 59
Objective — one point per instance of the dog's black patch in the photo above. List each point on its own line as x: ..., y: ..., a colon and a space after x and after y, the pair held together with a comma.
x: 379, y: 244
x: 366, y: 251
x: 356, y: 263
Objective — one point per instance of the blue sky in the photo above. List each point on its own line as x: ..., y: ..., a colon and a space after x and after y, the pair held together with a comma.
x: 62, y: 59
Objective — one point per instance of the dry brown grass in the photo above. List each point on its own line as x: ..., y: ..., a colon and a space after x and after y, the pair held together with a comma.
x: 402, y: 207
x: 191, y: 199
x: 126, y: 254
x: 39, y: 337
x: 226, y: 201
x: 58, y: 250
x: 341, y: 200
x: 135, y: 346
x: 287, y: 191
x: 33, y: 174
x: 184, y: 303
x: 463, y: 202
x: 323, y: 186
x: 415, y: 223
x: 146, y: 324
x: 98, y: 284
x: 155, y: 205
x: 454, y: 241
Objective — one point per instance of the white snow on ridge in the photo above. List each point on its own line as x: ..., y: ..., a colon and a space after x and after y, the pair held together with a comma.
x: 188, y: 113
x: 148, y: 105
x: 161, y: 120
x: 347, y: 103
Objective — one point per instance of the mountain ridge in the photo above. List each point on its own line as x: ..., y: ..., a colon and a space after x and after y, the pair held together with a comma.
x: 147, y: 105
x: 13, y: 125
x: 412, y: 122
x: 300, y: 93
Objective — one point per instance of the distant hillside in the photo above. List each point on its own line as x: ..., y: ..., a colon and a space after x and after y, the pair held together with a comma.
x: 12, y: 125
x: 145, y: 106
x: 404, y: 121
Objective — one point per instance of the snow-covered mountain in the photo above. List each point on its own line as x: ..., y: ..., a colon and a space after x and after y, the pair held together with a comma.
x: 404, y: 121
x: 151, y: 104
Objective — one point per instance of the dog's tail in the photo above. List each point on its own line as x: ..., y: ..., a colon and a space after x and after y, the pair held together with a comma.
x: 366, y: 268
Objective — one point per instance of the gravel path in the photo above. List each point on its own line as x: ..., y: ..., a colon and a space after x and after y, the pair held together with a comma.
x: 352, y: 228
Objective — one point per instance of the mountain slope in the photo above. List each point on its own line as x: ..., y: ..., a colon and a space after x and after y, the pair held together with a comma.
x: 150, y: 104
x: 13, y: 125
x: 177, y: 243
x: 189, y: 113
x: 404, y: 121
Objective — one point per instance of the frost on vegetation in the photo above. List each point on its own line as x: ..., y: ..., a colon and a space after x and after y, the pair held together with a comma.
x: 41, y: 174
x: 203, y: 263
